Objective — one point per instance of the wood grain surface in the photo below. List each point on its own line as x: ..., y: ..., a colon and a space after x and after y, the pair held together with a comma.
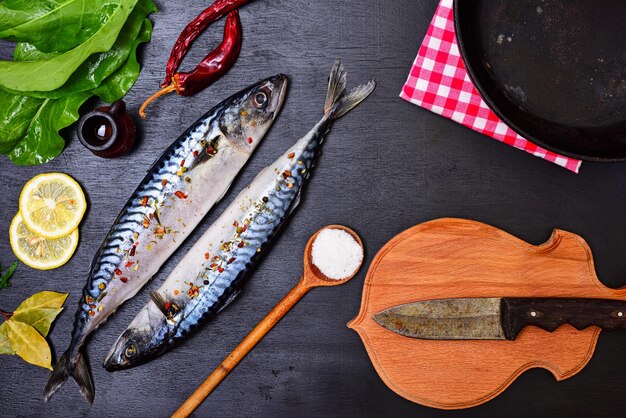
x: 385, y: 167
x: 458, y: 258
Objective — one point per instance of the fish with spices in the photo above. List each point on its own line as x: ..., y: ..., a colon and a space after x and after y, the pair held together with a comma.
x: 212, y: 273
x: 180, y: 188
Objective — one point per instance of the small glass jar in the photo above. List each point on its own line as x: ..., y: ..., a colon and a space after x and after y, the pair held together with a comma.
x: 108, y: 131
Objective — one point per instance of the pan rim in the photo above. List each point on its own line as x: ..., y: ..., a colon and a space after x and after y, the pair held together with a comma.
x: 496, y: 109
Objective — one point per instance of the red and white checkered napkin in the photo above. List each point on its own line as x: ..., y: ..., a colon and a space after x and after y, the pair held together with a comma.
x: 439, y: 82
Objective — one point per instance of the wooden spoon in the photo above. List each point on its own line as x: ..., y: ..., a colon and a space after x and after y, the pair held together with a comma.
x: 311, y: 277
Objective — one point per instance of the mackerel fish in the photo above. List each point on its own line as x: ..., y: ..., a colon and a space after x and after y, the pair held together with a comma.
x: 212, y: 273
x: 178, y: 191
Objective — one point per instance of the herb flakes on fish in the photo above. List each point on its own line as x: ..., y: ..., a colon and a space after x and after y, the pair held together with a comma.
x: 133, y: 231
x: 259, y: 211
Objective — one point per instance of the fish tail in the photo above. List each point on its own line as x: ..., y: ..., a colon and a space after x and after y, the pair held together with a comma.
x: 338, y: 103
x: 79, y: 370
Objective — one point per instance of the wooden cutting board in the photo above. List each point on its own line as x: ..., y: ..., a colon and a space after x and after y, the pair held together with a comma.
x: 456, y: 258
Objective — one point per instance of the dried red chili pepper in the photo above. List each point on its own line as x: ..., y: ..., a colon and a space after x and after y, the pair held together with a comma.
x: 209, y: 15
x: 210, y: 69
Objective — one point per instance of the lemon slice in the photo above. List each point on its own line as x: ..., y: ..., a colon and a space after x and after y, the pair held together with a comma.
x: 52, y: 205
x: 38, y: 252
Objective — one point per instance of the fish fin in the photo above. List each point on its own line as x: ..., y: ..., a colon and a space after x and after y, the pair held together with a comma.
x: 229, y: 300
x: 159, y: 302
x: 82, y: 376
x: 338, y: 103
x: 336, y: 86
x: 58, y: 376
x: 79, y: 372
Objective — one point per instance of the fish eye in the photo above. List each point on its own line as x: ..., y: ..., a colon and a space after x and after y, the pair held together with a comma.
x: 260, y: 100
x: 130, y: 351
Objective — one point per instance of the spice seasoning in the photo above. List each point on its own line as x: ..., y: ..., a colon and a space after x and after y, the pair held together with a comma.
x: 218, y: 9
x: 336, y: 253
x: 210, y: 69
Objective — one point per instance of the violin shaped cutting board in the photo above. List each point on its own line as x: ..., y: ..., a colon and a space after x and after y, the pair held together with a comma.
x: 457, y: 258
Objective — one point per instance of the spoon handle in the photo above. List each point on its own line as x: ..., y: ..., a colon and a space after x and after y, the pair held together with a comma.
x: 244, y: 347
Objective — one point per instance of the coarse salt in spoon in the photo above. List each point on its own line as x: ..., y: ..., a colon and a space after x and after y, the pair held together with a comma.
x: 332, y: 256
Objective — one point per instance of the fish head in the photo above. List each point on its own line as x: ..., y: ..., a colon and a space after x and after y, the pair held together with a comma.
x: 251, y: 113
x: 145, y: 338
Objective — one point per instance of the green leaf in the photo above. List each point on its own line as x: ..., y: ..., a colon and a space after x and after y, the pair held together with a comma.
x: 53, y: 25
x: 29, y: 344
x: 36, y: 122
x: 5, y: 344
x: 28, y: 52
x: 99, y: 66
x: 4, y: 277
x: 16, y: 113
x: 42, y: 141
x: 121, y: 81
x: 51, y: 74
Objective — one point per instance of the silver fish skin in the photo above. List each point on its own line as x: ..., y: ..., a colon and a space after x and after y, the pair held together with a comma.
x: 212, y: 273
x: 180, y: 188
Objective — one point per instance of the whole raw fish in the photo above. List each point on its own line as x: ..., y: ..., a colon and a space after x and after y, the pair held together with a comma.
x: 211, y: 274
x: 180, y: 188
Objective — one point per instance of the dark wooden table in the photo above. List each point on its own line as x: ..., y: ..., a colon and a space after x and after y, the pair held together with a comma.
x: 406, y: 166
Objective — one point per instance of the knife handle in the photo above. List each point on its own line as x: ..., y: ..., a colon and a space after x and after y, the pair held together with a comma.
x: 550, y: 313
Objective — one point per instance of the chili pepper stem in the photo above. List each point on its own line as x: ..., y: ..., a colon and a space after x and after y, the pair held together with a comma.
x: 165, y: 90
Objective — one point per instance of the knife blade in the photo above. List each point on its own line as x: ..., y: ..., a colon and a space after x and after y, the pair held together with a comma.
x: 498, y: 318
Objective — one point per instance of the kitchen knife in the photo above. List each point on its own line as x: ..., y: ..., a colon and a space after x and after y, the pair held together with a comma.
x: 498, y: 318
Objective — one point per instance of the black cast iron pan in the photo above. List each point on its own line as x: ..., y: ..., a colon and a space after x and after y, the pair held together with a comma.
x: 553, y: 70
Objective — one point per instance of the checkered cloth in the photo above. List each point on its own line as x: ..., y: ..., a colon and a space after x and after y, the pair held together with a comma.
x: 439, y: 82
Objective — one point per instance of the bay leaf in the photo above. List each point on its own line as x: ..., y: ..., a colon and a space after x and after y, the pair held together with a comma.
x: 5, y: 344
x: 39, y: 318
x: 29, y: 344
x: 46, y: 299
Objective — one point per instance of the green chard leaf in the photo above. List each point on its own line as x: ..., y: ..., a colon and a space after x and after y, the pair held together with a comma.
x: 42, y: 141
x: 46, y: 75
x: 5, y: 344
x: 98, y: 66
x: 16, y: 113
x: 29, y: 131
x: 53, y: 25
x: 4, y: 277
x: 28, y: 52
x: 120, y: 82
